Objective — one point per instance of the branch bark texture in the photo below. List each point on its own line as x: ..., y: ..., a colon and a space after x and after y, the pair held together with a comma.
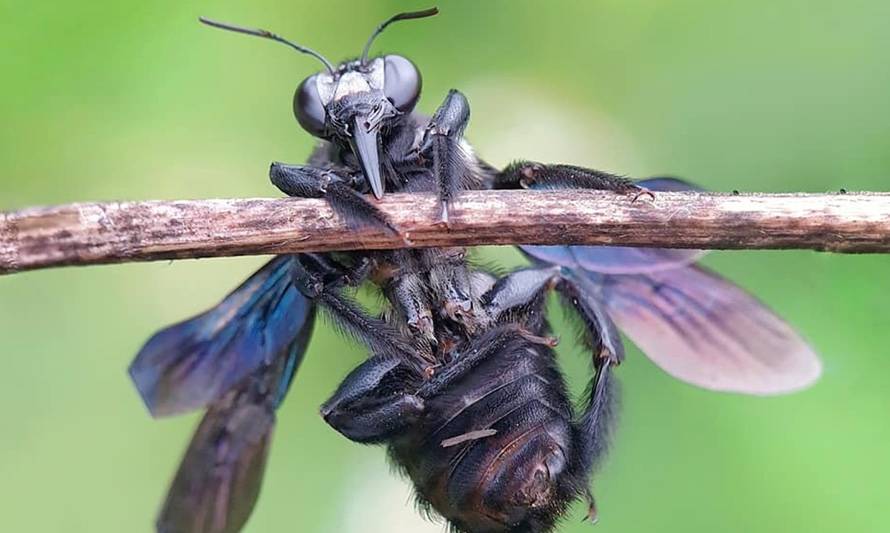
x: 97, y: 233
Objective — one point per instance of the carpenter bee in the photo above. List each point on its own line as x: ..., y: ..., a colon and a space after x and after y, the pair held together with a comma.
x: 461, y: 383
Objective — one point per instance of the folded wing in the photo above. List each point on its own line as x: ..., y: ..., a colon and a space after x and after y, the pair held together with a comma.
x: 219, y: 479
x: 704, y: 330
x: 194, y: 363
x: 695, y: 325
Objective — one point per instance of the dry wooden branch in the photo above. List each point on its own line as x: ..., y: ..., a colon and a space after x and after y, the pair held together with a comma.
x: 95, y: 233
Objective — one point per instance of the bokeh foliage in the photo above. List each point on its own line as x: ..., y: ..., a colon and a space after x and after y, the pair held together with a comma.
x: 110, y: 100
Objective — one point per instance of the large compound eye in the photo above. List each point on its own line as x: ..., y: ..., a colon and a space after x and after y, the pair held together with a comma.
x: 308, y: 108
x: 401, y: 82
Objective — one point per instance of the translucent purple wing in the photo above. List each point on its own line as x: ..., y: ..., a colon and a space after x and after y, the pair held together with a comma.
x: 219, y: 479
x: 704, y: 330
x: 194, y: 363
x: 614, y: 259
x: 218, y: 483
x: 620, y: 259
x: 668, y: 184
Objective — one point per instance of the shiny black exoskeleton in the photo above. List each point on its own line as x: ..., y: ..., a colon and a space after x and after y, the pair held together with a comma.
x: 461, y: 383
x: 477, y: 414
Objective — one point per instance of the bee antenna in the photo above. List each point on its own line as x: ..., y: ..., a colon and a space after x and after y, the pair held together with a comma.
x: 268, y: 35
x: 408, y: 15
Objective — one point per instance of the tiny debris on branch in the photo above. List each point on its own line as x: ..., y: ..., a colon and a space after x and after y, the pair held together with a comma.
x: 100, y: 233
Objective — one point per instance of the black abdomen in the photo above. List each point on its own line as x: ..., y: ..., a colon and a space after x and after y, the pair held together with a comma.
x: 494, y: 450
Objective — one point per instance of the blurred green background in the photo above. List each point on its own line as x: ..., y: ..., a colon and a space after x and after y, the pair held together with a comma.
x: 110, y: 100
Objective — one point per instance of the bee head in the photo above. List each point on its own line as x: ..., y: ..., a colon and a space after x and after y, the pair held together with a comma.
x: 352, y: 103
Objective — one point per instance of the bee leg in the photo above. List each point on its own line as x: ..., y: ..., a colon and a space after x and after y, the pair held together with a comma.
x: 603, y: 339
x: 442, y: 138
x: 591, y: 508
x: 334, y: 272
x: 303, y: 181
x: 322, y: 280
x: 531, y: 175
x: 519, y: 296
x: 450, y: 277
x: 371, y: 404
x: 493, y: 341
x: 596, y: 423
x: 405, y: 286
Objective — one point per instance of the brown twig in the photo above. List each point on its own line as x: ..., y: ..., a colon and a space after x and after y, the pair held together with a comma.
x: 96, y: 233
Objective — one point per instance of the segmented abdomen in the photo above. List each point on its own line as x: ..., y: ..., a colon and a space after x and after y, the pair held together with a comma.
x: 493, y: 450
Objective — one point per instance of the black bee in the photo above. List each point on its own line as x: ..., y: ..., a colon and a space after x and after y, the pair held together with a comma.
x: 461, y: 382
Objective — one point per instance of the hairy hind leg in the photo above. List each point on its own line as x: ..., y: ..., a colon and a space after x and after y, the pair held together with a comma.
x: 372, y: 404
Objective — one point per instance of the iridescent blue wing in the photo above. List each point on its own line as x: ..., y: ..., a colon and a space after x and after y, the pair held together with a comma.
x: 194, y: 363
x: 693, y: 324
x: 620, y: 259
x: 220, y: 476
